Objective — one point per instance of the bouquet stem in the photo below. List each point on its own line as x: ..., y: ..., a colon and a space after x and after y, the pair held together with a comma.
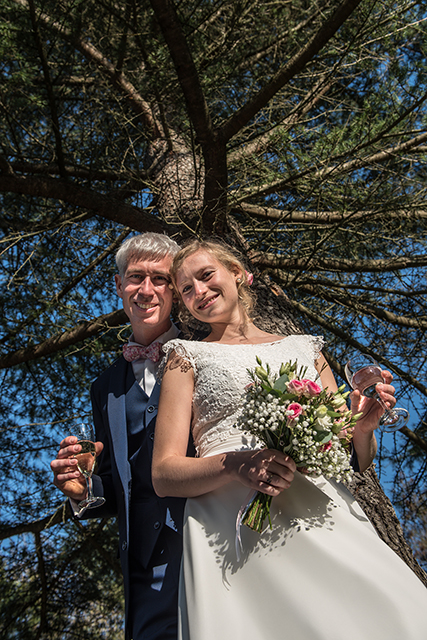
x: 257, y: 512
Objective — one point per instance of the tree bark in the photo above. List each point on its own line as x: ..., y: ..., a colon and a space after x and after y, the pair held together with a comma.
x: 367, y: 490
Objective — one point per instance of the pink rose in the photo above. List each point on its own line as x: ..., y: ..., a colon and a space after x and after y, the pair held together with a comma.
x: 296, y: 386
x: 296, y: 409
x: 312, y: 388
x: 326, y: 446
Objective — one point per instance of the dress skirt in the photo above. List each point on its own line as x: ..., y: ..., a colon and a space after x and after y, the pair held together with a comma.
x: 320, y: 573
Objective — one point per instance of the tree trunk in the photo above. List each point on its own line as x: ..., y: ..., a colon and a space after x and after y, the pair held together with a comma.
x: 367, y: 490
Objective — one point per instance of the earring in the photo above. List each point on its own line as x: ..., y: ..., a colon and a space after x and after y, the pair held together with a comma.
x: 238, y: 280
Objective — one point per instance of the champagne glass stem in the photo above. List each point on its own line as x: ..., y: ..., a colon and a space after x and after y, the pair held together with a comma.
x: 90, y: 496
x: 388, y: 413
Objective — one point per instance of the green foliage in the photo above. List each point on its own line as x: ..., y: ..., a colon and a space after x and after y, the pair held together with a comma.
x: 315, y: 170
x: 60, y: 586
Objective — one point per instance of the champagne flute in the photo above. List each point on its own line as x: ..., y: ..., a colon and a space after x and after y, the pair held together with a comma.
x: 86, y: 461
x: 364, y: 373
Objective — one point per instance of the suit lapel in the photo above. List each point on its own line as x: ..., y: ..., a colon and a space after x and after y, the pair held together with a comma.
x: 117, y: 419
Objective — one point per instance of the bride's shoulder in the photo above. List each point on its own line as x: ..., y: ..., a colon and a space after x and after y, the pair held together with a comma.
x: 184, y: 348
x: 311, y: 342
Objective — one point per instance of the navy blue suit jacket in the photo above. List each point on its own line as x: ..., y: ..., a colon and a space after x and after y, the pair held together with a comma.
x: 113, y: 480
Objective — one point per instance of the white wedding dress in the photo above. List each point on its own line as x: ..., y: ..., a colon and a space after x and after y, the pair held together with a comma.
x: 320, y: 573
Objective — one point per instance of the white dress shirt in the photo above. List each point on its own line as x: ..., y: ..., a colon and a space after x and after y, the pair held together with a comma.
x: 145, y: 371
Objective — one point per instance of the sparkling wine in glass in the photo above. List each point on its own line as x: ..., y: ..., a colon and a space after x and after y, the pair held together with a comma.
x: 364, y: 373
x: 86, y: 461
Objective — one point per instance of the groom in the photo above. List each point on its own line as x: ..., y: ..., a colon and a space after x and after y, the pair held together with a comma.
x: 124, y: 403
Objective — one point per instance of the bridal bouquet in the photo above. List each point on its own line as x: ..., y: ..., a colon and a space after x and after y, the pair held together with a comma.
x: 295, y: 415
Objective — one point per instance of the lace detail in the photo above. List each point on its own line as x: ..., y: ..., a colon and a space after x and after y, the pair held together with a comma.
x: 220, y: 377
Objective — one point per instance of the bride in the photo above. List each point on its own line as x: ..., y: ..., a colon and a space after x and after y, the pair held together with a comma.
x: 319, y: 572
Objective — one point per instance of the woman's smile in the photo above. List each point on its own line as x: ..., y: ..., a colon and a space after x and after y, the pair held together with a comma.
x: 208, y: 302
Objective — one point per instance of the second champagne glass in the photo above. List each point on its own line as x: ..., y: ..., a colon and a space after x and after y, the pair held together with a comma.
x: 364, y: 373
x: 86, y: 461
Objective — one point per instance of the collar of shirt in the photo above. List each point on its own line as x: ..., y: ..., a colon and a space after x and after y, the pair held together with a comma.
x: 145, y: 370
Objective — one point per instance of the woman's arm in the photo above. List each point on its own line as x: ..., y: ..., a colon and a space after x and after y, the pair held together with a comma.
x: 174, y: 474
x: 364, y: 441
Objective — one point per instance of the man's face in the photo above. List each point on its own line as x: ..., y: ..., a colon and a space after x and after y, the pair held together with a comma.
x: 147, y: 298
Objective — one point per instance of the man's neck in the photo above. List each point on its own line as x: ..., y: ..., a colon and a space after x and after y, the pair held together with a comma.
x: 146, y: 335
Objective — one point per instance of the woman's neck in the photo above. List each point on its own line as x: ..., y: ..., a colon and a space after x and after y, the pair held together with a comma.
x: 246, y: 333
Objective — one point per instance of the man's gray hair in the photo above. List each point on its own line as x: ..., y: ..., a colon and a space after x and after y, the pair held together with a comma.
x: 145, y: 246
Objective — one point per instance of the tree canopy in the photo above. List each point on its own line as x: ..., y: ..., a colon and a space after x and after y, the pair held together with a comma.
x: 294, y: 130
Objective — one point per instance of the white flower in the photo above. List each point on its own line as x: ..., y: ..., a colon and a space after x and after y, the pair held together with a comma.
x: 323, y: 423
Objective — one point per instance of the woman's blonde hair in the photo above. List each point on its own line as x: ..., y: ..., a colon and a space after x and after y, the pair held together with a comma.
x: 230, y: 260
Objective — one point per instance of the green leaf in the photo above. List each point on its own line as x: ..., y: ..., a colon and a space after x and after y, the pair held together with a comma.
x: 322, y: 437
x: 334, y: 414
x: 271, y: 443
x: 280, y: 383
x: 286, y: 396
x: 267, y: 387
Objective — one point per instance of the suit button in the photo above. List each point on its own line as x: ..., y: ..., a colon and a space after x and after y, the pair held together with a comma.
x: 157, y: 525
x: 124, y: 546
x: 150, y: 409
x: 151, y: 436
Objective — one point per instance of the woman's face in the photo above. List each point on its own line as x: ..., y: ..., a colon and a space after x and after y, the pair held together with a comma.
x: 208, y: 289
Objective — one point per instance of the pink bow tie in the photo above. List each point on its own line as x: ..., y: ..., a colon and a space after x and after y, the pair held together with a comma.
x: 138, y: 352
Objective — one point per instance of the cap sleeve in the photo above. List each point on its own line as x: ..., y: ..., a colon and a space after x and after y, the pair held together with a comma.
x: 180, y: 347
x: 316, y: 344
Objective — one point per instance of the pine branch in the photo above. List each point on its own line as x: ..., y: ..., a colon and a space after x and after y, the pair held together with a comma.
x: 296, y: 64
x: 44, y: 304
x: 41, y: 568
x: 343, y: 265
x: 76, y: 172
x: 355, y: 303
x: 188, y: 77
x: 140, y: 107
x: 261, y: 143
x: 287, y: 281
x: 60, y: 515
x: 336, y: 167
x: 289, y: 216
x: 374, y: 158
x: 98, y: 204
x: 61, y: 341
x: 49, y: 89
x: 352, y: 342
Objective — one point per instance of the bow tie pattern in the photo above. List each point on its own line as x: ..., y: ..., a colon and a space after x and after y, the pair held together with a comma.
x: 137, y: 352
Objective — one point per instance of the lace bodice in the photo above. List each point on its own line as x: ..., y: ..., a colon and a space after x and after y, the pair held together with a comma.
x: 220, y: 375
